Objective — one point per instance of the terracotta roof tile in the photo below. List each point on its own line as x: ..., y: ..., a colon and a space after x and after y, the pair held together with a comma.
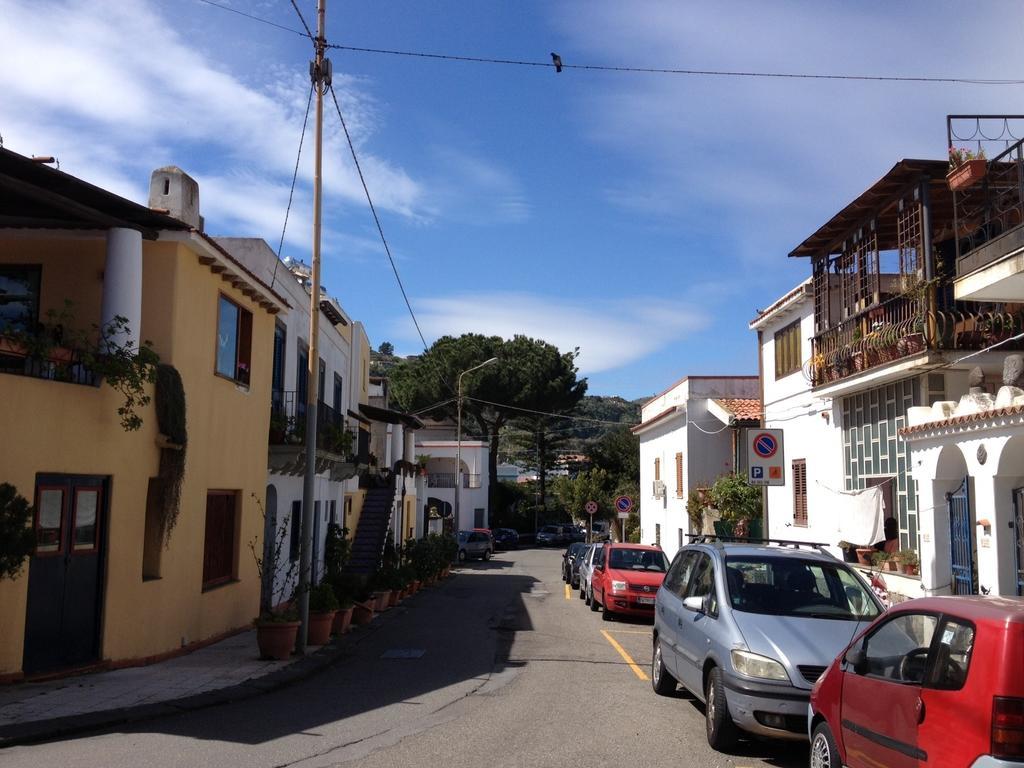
x: 969, y: 418
x: 743, y: 408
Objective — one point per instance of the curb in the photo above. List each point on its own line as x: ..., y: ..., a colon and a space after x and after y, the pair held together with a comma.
x: 327, y: 656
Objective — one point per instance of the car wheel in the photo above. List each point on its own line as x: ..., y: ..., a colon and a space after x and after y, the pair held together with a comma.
x: 462, y: 555
x: 606, y: 614
x: 661, y: 680
x: 583, y: 592
x: 722, y: 731
x: 824, y: 752
x: 592, y: 602
x: 487, y: 554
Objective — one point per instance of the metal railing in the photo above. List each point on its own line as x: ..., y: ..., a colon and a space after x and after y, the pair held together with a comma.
x: 333, y: 434
x: 61, y: 364
x: 447, y: 480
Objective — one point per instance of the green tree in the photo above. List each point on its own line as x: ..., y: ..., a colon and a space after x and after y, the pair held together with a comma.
x: 574, y: 493
x: 17, y: 540
x: 618, y: 453
x: 530, y: 375
x: 386, y: 348
x: 734, y: 498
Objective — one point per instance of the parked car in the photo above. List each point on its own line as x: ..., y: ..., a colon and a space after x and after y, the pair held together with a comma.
x: 490, y: 535
x: 474, y: 544
x: 571, y: 563
x: 600, y: 531
x: 576, y: 533
x: 506, y: 538
x: 549, y: 536
x: 934, y: 681
x: 748, y: 628
x: 626, y: 578
x: 587, y: 570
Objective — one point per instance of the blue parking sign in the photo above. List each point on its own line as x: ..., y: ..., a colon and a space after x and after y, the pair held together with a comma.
x: 757, y: 473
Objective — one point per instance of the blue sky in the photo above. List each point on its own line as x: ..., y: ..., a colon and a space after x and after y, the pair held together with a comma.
x: 641, y: 217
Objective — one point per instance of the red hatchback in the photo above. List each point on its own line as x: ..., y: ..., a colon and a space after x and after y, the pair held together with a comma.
x: 626, y: 578
x: 937, y: 681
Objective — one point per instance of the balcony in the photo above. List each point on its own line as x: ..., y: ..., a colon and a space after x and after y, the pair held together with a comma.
x: 447, y: 480
x: 55, y: 364
x: 339, y: 449
x: 990, y: 229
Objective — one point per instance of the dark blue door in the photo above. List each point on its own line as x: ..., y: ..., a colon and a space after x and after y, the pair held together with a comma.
x: 1018, y: 526
x: 62, y: 621
x: 961, y: 539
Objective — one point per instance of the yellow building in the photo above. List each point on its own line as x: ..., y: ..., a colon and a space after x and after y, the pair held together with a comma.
x: 104, y: 585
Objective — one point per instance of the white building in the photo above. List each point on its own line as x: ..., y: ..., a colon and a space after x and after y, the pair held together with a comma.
x: 689, y: 436
x: 804, y: 509
x: 438, y: 441
x: 343, y: 432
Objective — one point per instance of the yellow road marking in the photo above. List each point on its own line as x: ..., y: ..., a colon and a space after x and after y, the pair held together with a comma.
x: 626, y: 657
x: 628, y: 632
x: 568, y: 591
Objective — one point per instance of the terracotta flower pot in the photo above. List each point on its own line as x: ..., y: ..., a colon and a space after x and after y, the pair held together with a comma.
x: 864, y: 555
x: 968, y: 173
x: 320, y: 627
x: 342, y: 620
x: 362, y: 613
x: 276, y: 639
x: 889, y: 565
x: 381, y: 598
x: 393, y: 598
x: 415, y: 586
x: 909, y: 570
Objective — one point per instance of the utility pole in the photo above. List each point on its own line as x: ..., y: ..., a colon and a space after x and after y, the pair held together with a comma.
x: 320, y: 73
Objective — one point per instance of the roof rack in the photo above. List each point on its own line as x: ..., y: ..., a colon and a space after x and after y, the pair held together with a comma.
x: 721, y: 541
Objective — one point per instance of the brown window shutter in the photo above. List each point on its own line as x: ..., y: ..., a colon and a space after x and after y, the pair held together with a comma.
x: 657, y: 469
x: 679, y: 475
x: 799, y: 492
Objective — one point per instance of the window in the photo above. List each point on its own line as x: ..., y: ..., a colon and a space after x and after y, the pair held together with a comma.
x: 703, y: 584
x: 682, y: 538
x: 657, y: 469
x: 49, y: 521
x: 333, y: 519
x: 952, y: 655
x: 679, y: 475
x: 219, y: 543
x: 321, y: 382
x: 280, y: 348
x: 301, y: 380
x: 800, y: 492
x: 294, y: 541
x: 657, y: 534
x: 788, y: 357
x: 19, y: 298
x: 678, y: 576
x: 234, y: 341
x: 336, y: 402
x: 898, y: 650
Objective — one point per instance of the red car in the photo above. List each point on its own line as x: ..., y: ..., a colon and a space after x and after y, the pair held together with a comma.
x: 937, y: 681
x: 626, y: 578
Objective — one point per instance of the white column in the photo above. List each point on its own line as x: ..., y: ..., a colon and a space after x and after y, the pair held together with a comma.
x: 122, y: 282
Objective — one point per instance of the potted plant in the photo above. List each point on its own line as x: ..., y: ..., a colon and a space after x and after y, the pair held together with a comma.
x: 278, y: 623
x: 865, y: 555
x: 883, y: 561
x: 278, y: 428
x: 322, y: 606
x: 909, y: 562
x: 421, y: 462
x: 17, y: 539
x: 965, y: 167
x: 849, y: 551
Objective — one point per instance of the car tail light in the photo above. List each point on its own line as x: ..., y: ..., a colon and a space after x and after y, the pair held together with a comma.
x: 1007, y: 727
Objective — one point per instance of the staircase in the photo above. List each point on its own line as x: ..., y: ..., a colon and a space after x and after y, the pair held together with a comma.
x: 371, y: 532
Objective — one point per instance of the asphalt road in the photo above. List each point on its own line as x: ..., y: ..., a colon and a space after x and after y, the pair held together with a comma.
x: 498, y: 667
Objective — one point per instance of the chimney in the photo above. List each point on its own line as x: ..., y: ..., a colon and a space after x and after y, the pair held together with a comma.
x: 176, y: 192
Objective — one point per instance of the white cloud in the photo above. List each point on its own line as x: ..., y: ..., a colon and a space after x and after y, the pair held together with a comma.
x: 610, y: 334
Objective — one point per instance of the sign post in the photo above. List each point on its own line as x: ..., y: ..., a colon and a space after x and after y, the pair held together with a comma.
x: 765, y: 457
x: 623, y: 505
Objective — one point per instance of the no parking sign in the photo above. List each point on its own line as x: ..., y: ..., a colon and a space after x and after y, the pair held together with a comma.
x: 765, y: 457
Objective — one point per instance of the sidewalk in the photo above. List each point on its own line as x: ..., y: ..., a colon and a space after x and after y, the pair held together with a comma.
x: 223, y: 672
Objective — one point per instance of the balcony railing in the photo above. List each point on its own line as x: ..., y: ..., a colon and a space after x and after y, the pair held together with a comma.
x: 59, y: 364
x: 288, y: 427
x: 990, y: 213
x: 901, y: 328
x: 447, y: 480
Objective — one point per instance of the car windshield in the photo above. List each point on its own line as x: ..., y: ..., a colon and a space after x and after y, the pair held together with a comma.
x: 786, y: 586
x: 638, y: 560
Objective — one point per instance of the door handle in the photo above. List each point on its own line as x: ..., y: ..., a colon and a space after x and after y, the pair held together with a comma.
x: 920, y: 710
x: 679, y: 622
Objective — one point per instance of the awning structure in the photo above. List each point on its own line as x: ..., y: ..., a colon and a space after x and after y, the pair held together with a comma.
x: 388, y: 416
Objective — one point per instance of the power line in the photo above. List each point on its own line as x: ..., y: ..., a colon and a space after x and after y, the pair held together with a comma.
x: 548, y: 413
x: 260, y: 19
x: 295, y: 176
x: 302, y: 18
x: 376, y: 218
x: 560, y: 65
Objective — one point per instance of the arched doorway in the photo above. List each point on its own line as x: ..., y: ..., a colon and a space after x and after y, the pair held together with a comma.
x: 951, y: 494
x: 1009, y: 506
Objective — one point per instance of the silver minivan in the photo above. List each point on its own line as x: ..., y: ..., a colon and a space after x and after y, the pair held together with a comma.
x: 474, y: 544
x: 748, y: 628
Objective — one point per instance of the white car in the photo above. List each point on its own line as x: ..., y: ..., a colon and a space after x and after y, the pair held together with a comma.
x: 587, y: 571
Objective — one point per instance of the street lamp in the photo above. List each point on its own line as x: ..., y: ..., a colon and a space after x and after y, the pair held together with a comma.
x: 458, y: 442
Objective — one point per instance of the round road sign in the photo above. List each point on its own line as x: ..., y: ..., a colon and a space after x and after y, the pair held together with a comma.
x: 591, y: 507
x: 765, y: 445
x: 623, y: 504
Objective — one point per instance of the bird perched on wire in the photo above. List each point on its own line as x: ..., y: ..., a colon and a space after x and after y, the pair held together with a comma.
x: 557, y: 61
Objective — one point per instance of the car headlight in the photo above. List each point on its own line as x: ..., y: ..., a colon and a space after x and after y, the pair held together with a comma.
x: 618, y: 586
x: 755, y: 665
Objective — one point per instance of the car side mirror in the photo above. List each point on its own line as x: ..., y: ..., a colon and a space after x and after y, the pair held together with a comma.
x: 695, y: 604
x: 857, y: 660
